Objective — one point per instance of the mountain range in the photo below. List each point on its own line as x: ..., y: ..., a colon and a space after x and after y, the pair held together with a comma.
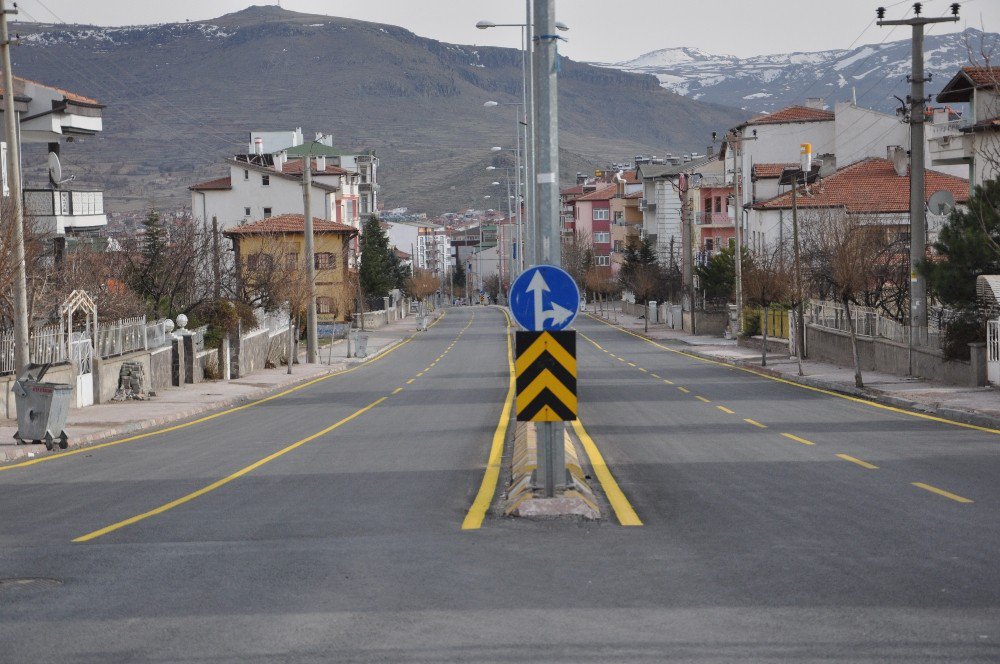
x: 181, y: 97
x: 875, y: 73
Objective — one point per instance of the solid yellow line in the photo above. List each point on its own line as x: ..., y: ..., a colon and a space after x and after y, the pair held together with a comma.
x: 863, y: 464
x: 797, y: 439
x: 754, y: 422
x: 90, y: 448
x: 684, y: 390
x: 703, y: 399
x: 830, y: 393
x: 477, y: 512
x: 941, y: 492
x: 619, y: 503
x: 397, y: 390
x: 225, y: 480
x: 726, y: 410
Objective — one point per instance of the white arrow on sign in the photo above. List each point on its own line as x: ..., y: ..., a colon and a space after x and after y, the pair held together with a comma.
x: 557, y: 313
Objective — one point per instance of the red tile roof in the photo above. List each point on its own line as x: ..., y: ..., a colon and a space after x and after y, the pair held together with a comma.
x: 792, y: 114
x: 69, y: 96
x: 572, y: 191
x: 217, y: 184
x: 604, y: 194
x: 635, y: 194
x: 868, y: 186
x: 769, y: 171
x: 983, y: 76
x: 961, y: 85
x: 288, y: 223
x: 294, y: 167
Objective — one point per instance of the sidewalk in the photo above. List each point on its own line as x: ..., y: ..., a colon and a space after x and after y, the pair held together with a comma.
x: 103, y: 421
x: 971, y: 405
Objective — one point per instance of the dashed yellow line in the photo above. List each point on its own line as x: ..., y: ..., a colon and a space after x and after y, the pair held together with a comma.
x: 703, y: 399
x: 410, y: 382
x: 643, y: 370
x: 420, y: 374
x: 755, y: 423
x: 668, y: 382
x: 397, y: 390
x: 726, y: 410
x: 791, y: 436
x: 684, y: 390
x: 631, y: 364
x: 863, y: 464
x: 654, y: 375
x: 941, y: 492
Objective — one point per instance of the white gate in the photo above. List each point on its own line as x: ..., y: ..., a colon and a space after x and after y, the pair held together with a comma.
x: 993, y: 351
x: 83, y: 362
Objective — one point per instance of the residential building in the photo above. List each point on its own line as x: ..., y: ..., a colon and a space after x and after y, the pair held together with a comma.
x: 433, y: 250
x: 592, y: 220
x: 971, y: 140
x: 876, y: 188
x: 278, y: 242
x: 626, y: 223
x: 661, y: 203
x: 711, y: 204
x: 52, y: 116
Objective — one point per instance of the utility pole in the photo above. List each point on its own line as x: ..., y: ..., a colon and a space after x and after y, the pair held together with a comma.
x: 738, y: 231
x: 687, y: 238
x: 312, y: 345
x: 918, y: 220
x: 530, y: 196
x: 20, y: 285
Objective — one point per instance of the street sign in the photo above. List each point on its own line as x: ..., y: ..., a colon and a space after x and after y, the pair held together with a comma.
x: 544, y: 298
x: 545, y: 370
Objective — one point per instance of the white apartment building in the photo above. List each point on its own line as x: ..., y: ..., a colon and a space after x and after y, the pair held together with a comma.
x: 971, y: 141
x: 434, y: 250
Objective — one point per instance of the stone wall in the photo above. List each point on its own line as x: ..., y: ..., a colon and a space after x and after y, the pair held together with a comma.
x: 159, y: 369
x: 882, y: 355
x: 106, y: 374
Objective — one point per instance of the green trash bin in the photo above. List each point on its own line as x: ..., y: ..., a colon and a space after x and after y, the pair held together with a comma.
x: 42, y: 408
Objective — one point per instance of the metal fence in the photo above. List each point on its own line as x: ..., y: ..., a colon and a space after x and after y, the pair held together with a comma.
x: 46, y: 345
x: 122, y: 336
x: 868, y: 322
x: 156, y: 334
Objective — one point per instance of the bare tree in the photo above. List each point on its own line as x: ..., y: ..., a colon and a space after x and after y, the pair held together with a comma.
x: 841, y: 249
x: 422, y: 284
x: 38, y: 259
x: 767, y: 280
x: 644, y: 282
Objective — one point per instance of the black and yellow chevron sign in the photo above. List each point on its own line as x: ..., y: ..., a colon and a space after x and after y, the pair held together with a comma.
x: 546, y: 376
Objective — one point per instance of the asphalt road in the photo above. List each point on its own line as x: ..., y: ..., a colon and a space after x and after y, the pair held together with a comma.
x: 324, y: 525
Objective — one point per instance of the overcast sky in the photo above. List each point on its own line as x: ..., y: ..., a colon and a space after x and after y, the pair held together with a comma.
x: 601, y: 30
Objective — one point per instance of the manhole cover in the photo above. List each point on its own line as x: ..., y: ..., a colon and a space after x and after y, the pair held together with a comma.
x: 29, y: 582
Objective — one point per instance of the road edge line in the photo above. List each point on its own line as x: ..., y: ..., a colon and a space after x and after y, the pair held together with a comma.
x: 487, y: 489
x: 623, y: 509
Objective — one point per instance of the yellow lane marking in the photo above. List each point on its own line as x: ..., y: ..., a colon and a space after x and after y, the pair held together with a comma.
x: 426, y: 369
x: 631, y: 364
x: 225, y: 480
x: 643, y: 370
x: 941, y: 492
x: 654, y: 375
x: 668, y: 382
x: 726, y: 410
x: 420, y: 374
x: 621, y: 359
x: 477, y: 512
x: 863, y: 464
x: 754, y: 422
x: 605, y: 350
x: 703, y: 399
x: 619, y: 503
x: 397, y: 390
x: 207, y: 418
x: 819, y: 390
x: 410, y: 382
x: 684, y: 390
x: 599, y: 347
x: 797, y: 439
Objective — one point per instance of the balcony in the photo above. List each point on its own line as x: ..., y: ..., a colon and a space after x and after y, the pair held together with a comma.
x: 646, y: 206
x: 713, y: 219
x: 62, y: 211
x: 367, y: 187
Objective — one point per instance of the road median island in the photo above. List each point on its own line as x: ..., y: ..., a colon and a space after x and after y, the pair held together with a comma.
x: 523, y: 498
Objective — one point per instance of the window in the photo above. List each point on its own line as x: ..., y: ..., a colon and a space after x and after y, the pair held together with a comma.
x: 718, y: 204
x: 619, y: 246
x: 602, y: 260
x: 618, y: 216
x: 246, y: 174
x: 260, y: 261
x: 602, y: 237
x: 265, y: 180
x: 708, y: 244
x: 601, y: 214
x: 291, y: 261
x: 267, y: 212
x: 324, y: 305
x: 324, y: 260
x: 246, y: 212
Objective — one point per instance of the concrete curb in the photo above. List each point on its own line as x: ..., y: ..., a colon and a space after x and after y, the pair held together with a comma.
x: 577, y: 499
x: 960, y: 415
x: 20, y: 452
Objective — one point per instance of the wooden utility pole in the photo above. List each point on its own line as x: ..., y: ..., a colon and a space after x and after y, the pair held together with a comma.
x: 20, y: 285
x: 918, y: 219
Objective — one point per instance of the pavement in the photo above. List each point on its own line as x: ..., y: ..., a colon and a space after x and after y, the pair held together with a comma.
x: 102, y: 421
x: 972, y: 405
x: 774, y: 524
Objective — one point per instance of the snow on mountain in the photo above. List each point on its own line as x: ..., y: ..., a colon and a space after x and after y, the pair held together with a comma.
x: 875, y: 72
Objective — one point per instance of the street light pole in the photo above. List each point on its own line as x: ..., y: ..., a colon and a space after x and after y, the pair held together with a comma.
x: 21, y: 356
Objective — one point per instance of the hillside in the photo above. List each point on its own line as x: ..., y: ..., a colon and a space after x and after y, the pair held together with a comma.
x: 876, y: 72
x: 180, y: 97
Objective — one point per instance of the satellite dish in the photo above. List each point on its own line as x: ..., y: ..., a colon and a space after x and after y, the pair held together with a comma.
x: 55, y: 169
x: 941, y: 202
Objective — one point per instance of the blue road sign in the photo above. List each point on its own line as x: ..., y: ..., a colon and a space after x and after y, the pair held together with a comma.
x: 544, y: 297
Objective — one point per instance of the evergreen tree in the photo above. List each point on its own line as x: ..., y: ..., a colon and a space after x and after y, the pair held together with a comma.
x: 147, y: 275
x: 639, y: 256
x: 377, y: 271
x: 718, y: 277
x: 458, y: 277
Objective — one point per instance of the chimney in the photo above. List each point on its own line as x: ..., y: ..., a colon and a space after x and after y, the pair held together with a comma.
x: 900, y: 160
x: 321, y: 163
x: 258, y: 146
x: 297, y: 137
x: 279, y: 161
x: 814, y: 102
x: 580, y: 178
